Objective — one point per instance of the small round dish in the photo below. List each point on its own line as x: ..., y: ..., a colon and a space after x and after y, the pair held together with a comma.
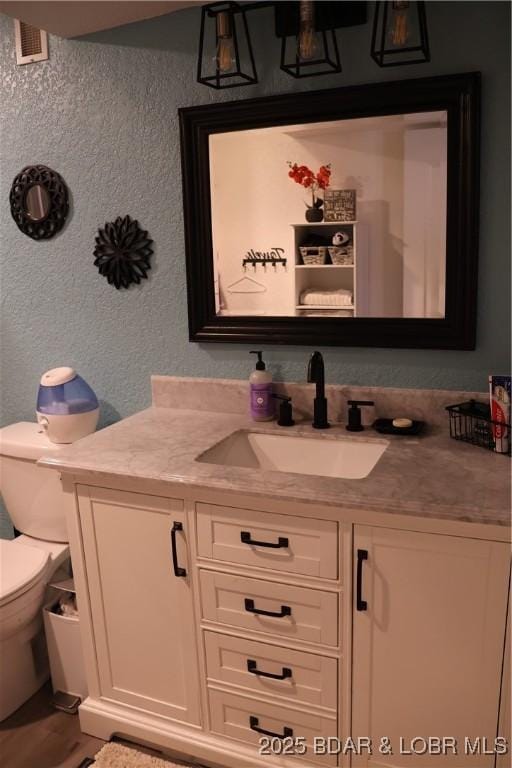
x: 385, y: 427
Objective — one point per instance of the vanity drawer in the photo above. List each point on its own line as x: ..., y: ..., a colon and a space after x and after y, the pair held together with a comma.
x: 265, y: 540
x: 239, y: 717
x: 297, y: 612
x: 301, y: 677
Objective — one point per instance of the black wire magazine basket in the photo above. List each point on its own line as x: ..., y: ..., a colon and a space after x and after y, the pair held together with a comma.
x: 471, y: 422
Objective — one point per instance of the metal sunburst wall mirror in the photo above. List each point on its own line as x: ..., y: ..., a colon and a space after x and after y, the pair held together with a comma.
x: 122, y: 252
x: 39, y: 201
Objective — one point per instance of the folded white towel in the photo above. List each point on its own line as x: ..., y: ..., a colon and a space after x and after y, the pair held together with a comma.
x: 327, y: 312
x: 338, y: 298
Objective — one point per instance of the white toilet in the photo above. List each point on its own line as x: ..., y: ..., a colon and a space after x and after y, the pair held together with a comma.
x: 36, y: 503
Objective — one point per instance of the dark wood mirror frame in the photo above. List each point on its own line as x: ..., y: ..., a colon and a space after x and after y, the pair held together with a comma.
x: 459, y: 95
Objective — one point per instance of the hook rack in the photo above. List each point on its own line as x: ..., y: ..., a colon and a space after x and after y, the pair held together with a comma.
x: 271, y: 257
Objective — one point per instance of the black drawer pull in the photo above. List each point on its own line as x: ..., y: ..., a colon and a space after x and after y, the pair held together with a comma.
x: 178, y: 570
x: 245, y: 538
x: 249, y: 606
x: 252, y: 667
x: 362, y: 555
x: 254, y: 726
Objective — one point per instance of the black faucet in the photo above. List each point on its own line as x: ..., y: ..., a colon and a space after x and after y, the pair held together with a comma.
x: 316, y: 374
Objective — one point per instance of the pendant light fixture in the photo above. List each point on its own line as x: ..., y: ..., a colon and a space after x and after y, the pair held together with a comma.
x: 308, y: 39
x: 226, y: 58
x: 400, y: 33
x: 307, y: 29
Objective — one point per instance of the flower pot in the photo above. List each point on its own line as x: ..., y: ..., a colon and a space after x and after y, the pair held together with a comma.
x: 314, y: 215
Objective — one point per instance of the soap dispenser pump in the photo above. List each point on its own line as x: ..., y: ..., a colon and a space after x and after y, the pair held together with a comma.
x: 260, y: 385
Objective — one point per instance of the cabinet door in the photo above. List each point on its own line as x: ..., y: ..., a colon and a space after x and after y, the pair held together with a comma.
x: 428, y: 646
x: 504, y: 759
x: 142, y: 613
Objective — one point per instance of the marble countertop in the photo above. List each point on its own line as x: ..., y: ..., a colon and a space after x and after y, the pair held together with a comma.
x: 428, y: 476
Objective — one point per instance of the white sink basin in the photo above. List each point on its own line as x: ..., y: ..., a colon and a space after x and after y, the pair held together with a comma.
x: 329, y: 457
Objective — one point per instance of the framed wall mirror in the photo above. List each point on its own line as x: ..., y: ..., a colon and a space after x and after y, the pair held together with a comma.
x: 39, y: 201
x: 339, y: 217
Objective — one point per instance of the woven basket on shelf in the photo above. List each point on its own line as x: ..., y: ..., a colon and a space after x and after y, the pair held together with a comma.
x: 341, y: 254
x: 313, y: 254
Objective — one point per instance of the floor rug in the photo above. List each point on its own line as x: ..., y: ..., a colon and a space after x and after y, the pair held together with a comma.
x: 114, y: 755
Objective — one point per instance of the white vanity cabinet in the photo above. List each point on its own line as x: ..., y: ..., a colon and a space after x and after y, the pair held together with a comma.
x: 428, y: 627
x: 210, y: 621
x: 141, y: 612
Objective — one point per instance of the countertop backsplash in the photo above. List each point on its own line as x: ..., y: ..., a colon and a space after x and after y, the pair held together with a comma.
x: 232, y: 396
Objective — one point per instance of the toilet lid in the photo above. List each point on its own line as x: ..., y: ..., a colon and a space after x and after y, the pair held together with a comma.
x: 20, y: 567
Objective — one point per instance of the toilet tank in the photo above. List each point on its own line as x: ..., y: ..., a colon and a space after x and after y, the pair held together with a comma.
x: 32, y: 495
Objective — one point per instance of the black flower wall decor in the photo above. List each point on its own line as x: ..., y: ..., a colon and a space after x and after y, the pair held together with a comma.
x: 122, y: 252
x: 39, y: 201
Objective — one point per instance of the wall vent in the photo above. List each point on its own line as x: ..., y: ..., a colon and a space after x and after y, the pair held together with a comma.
x: 31, y: 43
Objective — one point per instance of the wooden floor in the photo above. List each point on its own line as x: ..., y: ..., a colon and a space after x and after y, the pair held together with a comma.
x: 39, y: 736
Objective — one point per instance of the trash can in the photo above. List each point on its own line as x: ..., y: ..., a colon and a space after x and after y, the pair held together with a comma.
x: 62, y: 630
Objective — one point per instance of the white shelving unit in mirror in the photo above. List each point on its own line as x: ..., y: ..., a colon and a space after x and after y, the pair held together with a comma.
x: 325, y: 271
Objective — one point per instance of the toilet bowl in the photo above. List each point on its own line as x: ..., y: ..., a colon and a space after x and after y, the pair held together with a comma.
x: 36, y: 504
x: 26, y: 565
